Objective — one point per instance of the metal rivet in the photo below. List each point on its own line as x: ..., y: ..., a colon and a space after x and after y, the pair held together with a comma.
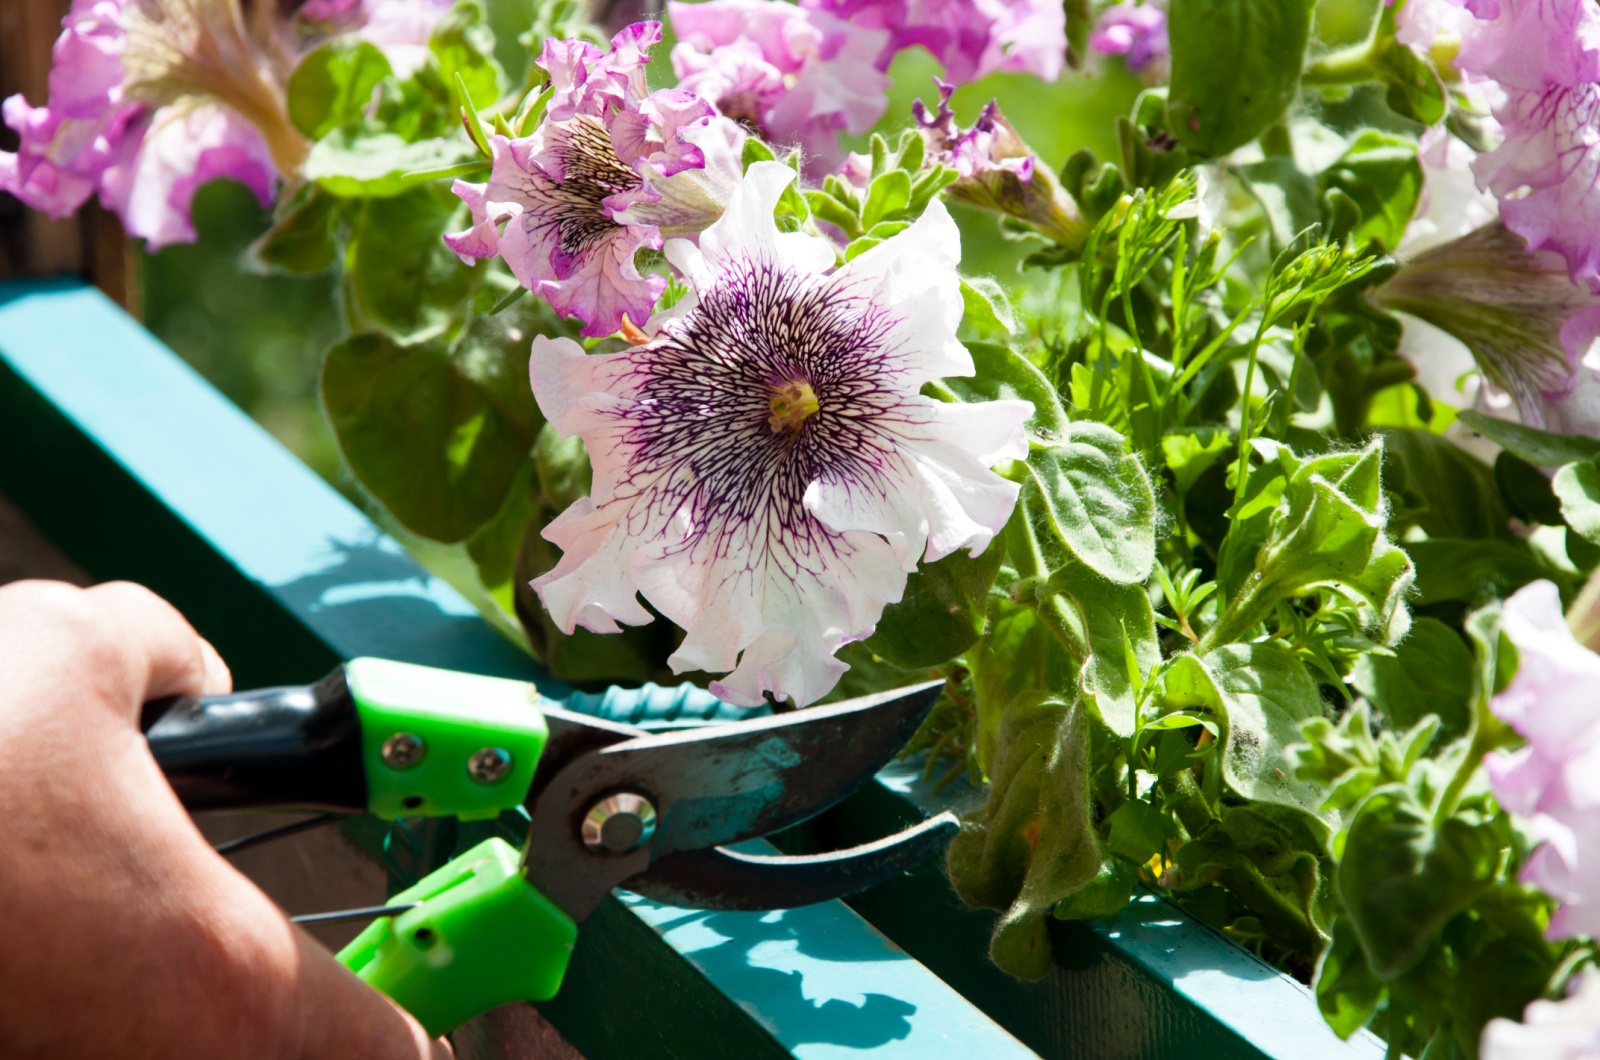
x: 404, y: 750
x: 619, y: 824
x: 489, y: 765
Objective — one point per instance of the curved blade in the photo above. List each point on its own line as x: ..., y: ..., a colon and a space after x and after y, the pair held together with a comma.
x: 719, y: 878
x: 713, y: 786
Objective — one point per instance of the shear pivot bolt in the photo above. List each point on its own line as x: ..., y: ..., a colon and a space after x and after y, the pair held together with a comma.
x: 403, y: 750
x: 619, y: 824
x: 489, y: 765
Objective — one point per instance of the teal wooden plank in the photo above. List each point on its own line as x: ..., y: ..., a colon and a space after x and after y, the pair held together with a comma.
x: 138, y: 468
x: 1154, y: 983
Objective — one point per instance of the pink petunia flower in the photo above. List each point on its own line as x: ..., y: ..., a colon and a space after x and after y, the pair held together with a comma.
x: 1538, y: 64
x: 1554, y: 779
x: 609, y: 170
x: 767, y: 487
x: 998, y: 171
x: 1137, y: 32
x: 971, y: 38
x: 797, y: 77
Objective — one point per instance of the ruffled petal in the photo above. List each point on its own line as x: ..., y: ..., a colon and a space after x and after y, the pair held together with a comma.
x: 182, y: 151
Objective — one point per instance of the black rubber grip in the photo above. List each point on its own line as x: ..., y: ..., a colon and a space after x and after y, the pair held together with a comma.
x: 294, y: 748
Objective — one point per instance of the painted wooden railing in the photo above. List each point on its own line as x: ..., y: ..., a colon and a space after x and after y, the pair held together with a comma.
x: 136, y: 468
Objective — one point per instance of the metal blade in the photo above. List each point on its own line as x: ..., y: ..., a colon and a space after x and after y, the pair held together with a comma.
x: 710, y: 787
x: 719, y: 878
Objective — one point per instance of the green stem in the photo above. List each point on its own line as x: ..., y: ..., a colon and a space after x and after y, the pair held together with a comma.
x: 1349, y: 67
x: 1244, y: 411
x: 1249, y: 608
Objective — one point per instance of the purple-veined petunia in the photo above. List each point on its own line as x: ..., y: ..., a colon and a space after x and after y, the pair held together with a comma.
x: 1553, y: 780
x: 1475, y: 296
x: 1537, y: 62
x: 766, y: 471
x: 797, y: 77
x: 609, y: 170
x: 1137, y: 32
x: 970, y: 38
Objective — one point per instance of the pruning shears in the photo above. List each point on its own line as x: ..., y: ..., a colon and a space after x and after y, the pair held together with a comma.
x: 607, y: 805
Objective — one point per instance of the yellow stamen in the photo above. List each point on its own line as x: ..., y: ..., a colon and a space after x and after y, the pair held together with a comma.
x: 791, y: 404
x: 633, y: 332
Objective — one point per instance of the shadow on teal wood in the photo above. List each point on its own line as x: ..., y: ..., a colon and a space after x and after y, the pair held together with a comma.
x: 138, y: 469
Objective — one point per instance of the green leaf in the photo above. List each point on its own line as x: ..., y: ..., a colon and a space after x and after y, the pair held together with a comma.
x: 1401, y: 879
x: 941, y: 614
x: 1326, y: 531
x: 1381, y: 174
x: 1414, y: 88
x: 1268, y: 695
x: 403, y: 278
x: 1032, y: 843
x: 1541, y: 448
x: 1102, y: 897
x: 1578, y: 487
x: 1095, y: 500
x: 1192, y: 454
x: 333, y: 85
x: 1108, y: 620
x: 888, y: 194
x: 1454, y: 492
x: 1347, y: 991
x: 564, y: 474
x: 1288, y: 197
x: 354, y: 162
x: 1235, y: 68
x: 986, y: 308
x: 1136, y: 831
x: 1450, y: 569
x: 1526, y: 490
x: 303, y: 236
x: 1017, y: 655
x: 463, y: 45
x: 436, y: 435
x: 1003, y: 373
x: 1430, y: 672
x: 1496, y: 982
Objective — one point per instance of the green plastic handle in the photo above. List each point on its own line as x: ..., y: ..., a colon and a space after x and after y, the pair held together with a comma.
x: 438, y: 743
x: 481, y: 936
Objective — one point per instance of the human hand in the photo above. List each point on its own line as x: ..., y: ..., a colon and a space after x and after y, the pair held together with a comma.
x: 124, y: 933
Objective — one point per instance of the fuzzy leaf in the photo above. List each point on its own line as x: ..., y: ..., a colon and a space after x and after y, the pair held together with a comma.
x: 1430, y: 672
x: 1032, y: 842
x: 437, y: 435
x: 1095, y: 500
x: 333, y: 85
x: 356, y: 163
x: 402, y: 276
x: 941, y: 614
x: 1347, y: 991
x: 1235, y: 68
x: 1268, y: 696
x: 1401, y: 879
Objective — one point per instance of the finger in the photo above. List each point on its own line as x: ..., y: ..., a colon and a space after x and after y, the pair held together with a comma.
x: 443, y: 1050
x: 218, y: 679
x: 166, y: 655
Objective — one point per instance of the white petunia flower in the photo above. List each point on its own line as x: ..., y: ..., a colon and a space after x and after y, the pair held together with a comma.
x: 766, y: 471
